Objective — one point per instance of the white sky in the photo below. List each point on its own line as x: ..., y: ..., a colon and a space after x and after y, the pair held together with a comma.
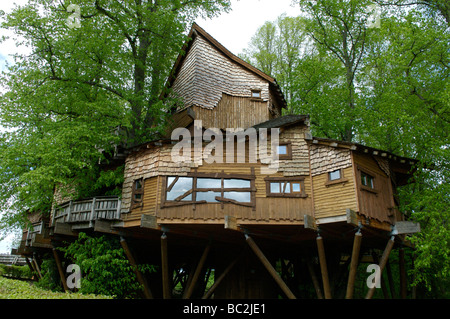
x: 233, y: 30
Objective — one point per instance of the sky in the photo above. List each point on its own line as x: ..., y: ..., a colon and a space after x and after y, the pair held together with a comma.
x: 233, y: 30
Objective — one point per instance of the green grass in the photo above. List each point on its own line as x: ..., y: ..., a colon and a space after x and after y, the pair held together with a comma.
x: 16, y: 289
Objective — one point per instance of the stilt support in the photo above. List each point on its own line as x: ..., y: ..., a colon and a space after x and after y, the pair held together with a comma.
x: 60, y: 270
x: 382, y: 264
x: 314, y: 279
x: 323, y: 267
x: 353, y: 265
x: 190, y: 288
x: 140, y: 277
x: 165, y: 268
x: 219, y: 280
x: 269, y: 267
x: 402, y: 269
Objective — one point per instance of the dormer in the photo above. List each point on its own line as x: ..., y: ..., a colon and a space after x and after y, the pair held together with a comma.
x: 221, y: 89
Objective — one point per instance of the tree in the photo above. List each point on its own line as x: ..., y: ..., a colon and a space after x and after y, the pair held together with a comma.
x: 91, y: 80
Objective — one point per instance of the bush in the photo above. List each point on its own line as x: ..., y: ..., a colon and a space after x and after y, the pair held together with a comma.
x: 22, y: 272
x: 105, y: 270
x: 50, y: 277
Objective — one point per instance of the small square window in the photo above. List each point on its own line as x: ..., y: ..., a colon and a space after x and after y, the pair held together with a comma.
x: 367, y: 180
x: 256, y: 94
x: 334, y: 175
x: 284, y: 151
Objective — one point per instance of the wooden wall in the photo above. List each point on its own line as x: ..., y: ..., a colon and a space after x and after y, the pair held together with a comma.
x: 206, y: 73
x: 380, y: 203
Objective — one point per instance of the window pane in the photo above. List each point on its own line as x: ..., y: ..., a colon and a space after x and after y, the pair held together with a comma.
x: 183, y: 185
x: 243, y: 197
x: 275, y: 187
x: 209, y: 183
x: 334, y: 175
x: 138, y: 184
x: 236, y: 183
x: 208, y: 196
x: 282, y: 150
x: 256, y: 93
x: 296, y: 187
x: 287, y: 190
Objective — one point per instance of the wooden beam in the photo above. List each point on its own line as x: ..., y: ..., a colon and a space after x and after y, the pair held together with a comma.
x: 219, y: 280
x: 269, y: 267
x: 60, y: 270
x: 310, y: 222
x: 314, y: 279
x: 165, y: 268
x: 231, y: 222
x: 140, y: 277
x: 190, y: 288
x: 323, y: 267
x: 353, y: 265
x: 64, y: 229
x: 383, y: 261
x: 149, y: 221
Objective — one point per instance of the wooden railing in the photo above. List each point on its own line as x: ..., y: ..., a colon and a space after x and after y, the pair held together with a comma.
x: 107, y: 208
x: 36, y: 228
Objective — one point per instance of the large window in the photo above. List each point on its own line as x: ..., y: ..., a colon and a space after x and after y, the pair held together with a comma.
x: 285, y: 187
x: 200, y: 188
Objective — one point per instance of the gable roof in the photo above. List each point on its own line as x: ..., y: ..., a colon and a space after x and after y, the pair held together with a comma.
x: 197, y: 30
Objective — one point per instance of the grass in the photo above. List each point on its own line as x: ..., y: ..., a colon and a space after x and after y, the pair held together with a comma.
x: 17, y: 289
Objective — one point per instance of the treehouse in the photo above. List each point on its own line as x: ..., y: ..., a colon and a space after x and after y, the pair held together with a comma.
x: 237, y: 190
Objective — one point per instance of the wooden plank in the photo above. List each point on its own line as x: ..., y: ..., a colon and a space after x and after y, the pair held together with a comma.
x: 352, y: 217
x: 149, y: 221
x: 269, y: 267
x: 405, y: 227
x: 64, y: 229
x: 310, y: 222
x: 231, y: 222
x: 220, y: 278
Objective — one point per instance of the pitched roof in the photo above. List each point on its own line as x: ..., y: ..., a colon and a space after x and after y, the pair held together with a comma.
x: 197, y: 30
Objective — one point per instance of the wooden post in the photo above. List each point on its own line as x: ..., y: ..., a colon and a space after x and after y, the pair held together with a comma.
x: 323, y: 267
x: 165, y: 268
x: 390, y: 280
x: 402, y: 268
x: 37, y: 266
x: 140, y: 277
x: 60, y: 270
x: 269, y: 267
x: 382, y: 264
x: 190, y: 288
x: 314, y: 279
x: 353, y: 265
x: 219, y: 280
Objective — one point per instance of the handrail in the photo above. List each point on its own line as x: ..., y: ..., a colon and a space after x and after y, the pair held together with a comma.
x: 87, y: 210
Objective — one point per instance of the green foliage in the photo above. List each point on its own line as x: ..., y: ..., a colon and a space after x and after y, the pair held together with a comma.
x: 15, y: 271
x: 15, y: 289
x: 50, y: 277
x: 104, y: 267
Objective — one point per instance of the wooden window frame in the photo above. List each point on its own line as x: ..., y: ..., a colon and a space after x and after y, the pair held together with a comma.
x: 137, y: 203
x: 221, y: 200
x: 363, y: 170
x: 340, y: 180
x: 258, y: 98
x: 287, y: 156
x: 296, y: 179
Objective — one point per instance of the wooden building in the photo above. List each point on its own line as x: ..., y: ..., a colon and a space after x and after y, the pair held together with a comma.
x: 246, y: 192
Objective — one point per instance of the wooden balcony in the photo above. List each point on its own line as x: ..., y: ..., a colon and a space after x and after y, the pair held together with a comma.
x: 83, y: 213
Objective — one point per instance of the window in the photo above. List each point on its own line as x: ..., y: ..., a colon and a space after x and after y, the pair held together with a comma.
x: 256, y: 94
x: 284, y: 151
x: 334, y: 175
x: 201, y: 188
x: 367, y: 180
x: 138, y: 192
x: 285, y: 187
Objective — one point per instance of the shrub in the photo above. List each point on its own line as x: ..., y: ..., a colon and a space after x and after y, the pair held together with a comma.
x: 105, y: 270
